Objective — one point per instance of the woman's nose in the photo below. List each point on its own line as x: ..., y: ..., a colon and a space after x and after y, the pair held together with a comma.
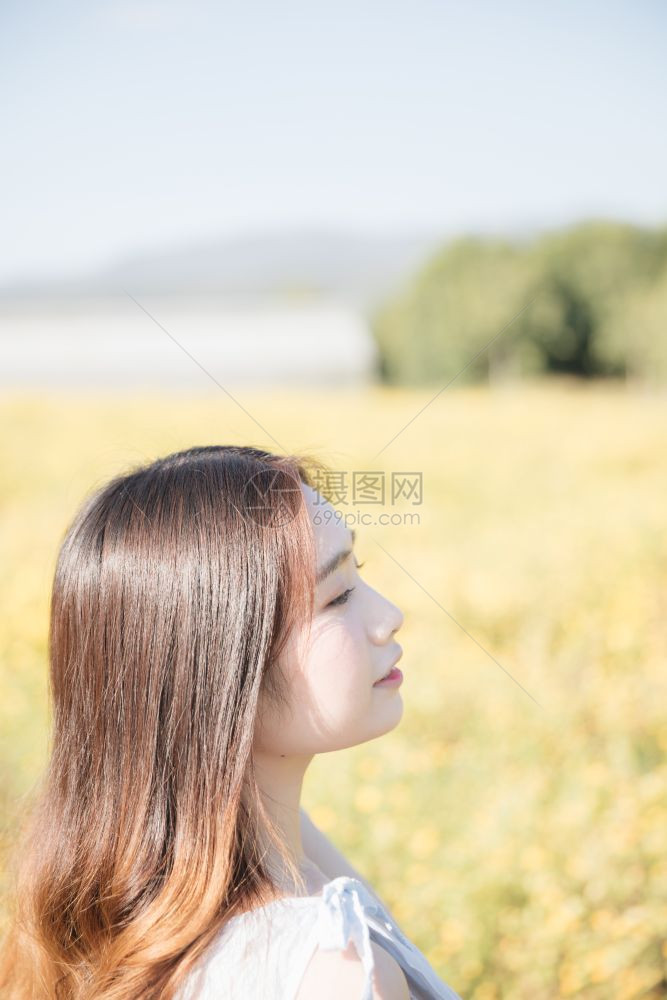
x: 388, y: 621
x: 399, y: 618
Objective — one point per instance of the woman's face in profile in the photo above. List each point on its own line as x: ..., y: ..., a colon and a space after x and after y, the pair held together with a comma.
x: 332, y: 670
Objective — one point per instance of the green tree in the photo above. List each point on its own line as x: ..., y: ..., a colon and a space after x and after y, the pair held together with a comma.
x: 569, y: 301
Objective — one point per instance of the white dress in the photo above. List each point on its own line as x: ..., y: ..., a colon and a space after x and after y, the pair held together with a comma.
x: 263, y: 954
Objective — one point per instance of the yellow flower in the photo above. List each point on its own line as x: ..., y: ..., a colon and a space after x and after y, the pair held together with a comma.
x: 368, y: 798
x: 424, y: 841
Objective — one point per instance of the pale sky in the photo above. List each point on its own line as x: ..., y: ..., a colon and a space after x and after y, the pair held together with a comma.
x: 139, y: 126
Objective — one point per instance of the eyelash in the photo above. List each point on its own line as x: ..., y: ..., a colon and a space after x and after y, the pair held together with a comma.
x: 345, y: 596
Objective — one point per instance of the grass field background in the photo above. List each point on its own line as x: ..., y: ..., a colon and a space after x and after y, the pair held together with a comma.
x: 515, y: 821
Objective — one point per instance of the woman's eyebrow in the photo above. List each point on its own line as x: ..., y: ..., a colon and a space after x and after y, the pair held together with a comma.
x: 335, y: 561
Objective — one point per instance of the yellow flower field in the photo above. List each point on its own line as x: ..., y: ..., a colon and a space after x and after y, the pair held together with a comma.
x: 515, y: 821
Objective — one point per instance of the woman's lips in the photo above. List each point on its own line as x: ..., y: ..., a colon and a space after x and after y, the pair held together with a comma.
x: 393, y: 679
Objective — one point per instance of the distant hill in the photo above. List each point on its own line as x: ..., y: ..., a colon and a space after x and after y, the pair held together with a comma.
x: 357, y: 268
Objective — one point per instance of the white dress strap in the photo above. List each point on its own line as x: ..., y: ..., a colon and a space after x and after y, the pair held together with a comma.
x: 347, y: 910
x: 340, y: 919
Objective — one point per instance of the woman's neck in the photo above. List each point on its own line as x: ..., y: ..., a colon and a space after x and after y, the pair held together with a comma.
x: 280, y: 780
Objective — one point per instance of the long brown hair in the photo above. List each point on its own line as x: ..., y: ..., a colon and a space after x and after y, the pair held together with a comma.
x: 175, y: 588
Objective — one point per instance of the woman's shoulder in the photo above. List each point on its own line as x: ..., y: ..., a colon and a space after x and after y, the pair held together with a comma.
x: 295, y: 948
x: 330, y: 975
x: 266, y: 951
x: 392, y: 967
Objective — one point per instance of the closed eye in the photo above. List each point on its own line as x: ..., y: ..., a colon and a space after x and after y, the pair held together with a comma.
x: 341, y: 599
x: 345, y: 596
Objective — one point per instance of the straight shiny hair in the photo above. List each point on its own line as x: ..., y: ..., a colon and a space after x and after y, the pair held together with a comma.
x: 175, y: 589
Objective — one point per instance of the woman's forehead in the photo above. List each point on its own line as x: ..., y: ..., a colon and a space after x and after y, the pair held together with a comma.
x: 331, y: 533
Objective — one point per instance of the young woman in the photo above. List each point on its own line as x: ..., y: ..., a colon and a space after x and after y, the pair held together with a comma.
x: 209, y: 634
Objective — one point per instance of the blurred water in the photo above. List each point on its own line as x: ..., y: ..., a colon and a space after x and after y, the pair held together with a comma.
x: 112, y: 342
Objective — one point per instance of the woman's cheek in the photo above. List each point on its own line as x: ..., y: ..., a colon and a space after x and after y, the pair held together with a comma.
x: 330, y: 663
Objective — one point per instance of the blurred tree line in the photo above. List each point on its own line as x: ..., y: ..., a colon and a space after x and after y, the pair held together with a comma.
x: 589, y: 300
